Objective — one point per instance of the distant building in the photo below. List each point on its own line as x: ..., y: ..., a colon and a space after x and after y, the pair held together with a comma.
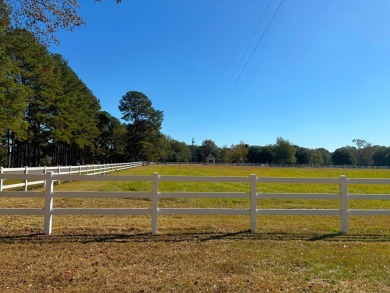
x: 210, y: 159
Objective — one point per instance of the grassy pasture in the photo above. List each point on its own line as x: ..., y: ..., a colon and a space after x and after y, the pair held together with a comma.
x: 199, y: 253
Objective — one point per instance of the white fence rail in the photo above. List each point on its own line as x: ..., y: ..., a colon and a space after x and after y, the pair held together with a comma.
x: 253, y: 210
x: 84, y: 169
x: 311, y: 166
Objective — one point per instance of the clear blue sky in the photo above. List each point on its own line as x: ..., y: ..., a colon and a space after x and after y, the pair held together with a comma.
x: 320, y: 76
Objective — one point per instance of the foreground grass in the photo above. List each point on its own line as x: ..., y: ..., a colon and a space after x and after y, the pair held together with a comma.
x: 199, y: 253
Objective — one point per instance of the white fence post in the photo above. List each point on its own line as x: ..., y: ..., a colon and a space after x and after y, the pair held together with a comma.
x: 155, y: 203
x: 48, y: 203
x: 25, y: 181
x: 253, y: 198
x: 1, y: 180
x: 344, y: 204
x: 44, y: 172
x: 59, y: 173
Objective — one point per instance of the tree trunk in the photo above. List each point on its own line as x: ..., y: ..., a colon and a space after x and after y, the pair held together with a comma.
x: 9, y: 149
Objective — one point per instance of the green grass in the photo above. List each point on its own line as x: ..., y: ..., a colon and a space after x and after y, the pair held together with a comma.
x: 199, y: 253
x: 233, y: 187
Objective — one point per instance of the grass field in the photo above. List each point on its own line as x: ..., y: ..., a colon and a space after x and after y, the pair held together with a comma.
x: 199, y: 253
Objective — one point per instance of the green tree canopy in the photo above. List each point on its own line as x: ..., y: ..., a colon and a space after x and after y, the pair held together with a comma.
x: 303, y: 155
x: 176, y: 151
x: 344, y: 156
x: 317, y: 158
x: 238, y: 153
x: 208, y: 147
x: 326, y: 156
x: 381, y: 157
x: 144, y: 125
x: 13, y: 94
x: 284, y: 152
x: 47, y: 114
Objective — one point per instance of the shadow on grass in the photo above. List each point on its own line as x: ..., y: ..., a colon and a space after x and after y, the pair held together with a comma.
x: 120, y: 236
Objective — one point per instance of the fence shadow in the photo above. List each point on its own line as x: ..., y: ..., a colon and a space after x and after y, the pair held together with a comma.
x: 121, y: 236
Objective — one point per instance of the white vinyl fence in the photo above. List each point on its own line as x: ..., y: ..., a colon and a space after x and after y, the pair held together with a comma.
x: 84, y: 169
x: 154, y: 195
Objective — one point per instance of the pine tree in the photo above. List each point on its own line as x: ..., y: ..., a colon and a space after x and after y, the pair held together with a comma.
x: 144, y: 125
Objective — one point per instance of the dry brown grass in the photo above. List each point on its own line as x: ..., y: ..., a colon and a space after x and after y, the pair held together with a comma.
x: 196, y: 258
x: 192, y: 253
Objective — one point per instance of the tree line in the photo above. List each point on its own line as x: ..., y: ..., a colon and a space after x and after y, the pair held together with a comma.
x: 283, y: 151
x: 49, y: 116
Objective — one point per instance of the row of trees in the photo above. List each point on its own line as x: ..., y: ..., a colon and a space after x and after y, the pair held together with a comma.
x: 284, y: 152
x: 50, y: 117
x: 46, y: 111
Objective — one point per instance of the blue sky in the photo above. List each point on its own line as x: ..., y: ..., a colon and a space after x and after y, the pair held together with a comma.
x: 320, y: 76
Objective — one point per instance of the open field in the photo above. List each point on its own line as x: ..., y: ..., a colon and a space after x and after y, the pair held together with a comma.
x: 199, y: 253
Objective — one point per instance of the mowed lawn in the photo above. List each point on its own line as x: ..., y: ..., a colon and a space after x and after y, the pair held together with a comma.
x: 200, y: 253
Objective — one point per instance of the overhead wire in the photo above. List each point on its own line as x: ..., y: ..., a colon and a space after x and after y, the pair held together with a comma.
x: 236, y: 69
x: 220, y: 105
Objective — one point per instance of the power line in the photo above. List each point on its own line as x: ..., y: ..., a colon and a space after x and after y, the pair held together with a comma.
x: 236, y: 69
x: 218, y: 109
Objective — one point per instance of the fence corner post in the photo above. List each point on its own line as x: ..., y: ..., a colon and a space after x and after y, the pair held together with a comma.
x: 344, y: 204
x: 155, y: 203
x: 253, y: 202
x: 48, y: 203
